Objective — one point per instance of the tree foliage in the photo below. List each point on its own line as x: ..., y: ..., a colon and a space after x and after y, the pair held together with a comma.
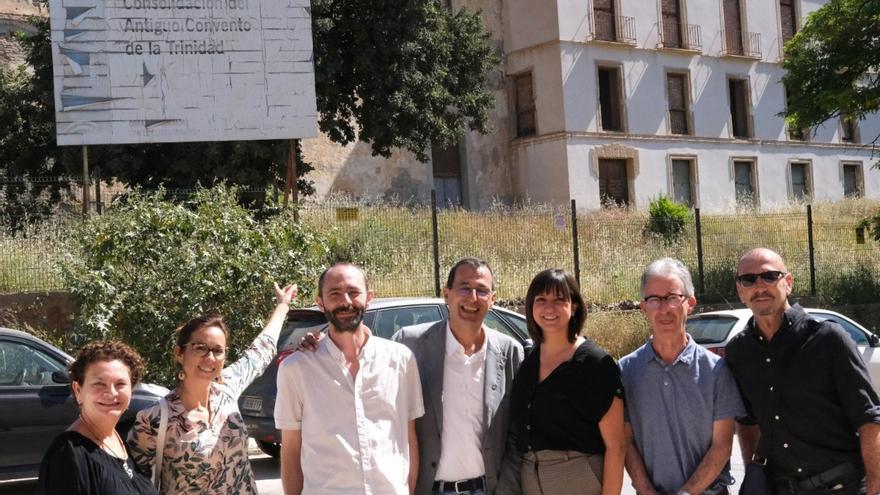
x: 149, y: 265
x: 394, y: 73
x: 833, y: 64
x: 400, y: 73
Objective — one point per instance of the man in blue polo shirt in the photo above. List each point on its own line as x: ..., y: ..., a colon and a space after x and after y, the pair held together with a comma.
x: 681, y: 400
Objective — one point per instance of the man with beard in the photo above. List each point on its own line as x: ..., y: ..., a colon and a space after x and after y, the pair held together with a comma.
x: 347, y: 411
x: 467, y: 372
x: 814, y: 417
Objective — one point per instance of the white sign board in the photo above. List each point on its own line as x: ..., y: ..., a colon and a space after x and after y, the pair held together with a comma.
x: 149, y: 71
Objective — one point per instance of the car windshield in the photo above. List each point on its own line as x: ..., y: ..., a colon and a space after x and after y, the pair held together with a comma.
x: 710, y: 329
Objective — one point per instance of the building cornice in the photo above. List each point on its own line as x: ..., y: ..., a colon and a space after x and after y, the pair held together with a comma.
x: 649, y: 138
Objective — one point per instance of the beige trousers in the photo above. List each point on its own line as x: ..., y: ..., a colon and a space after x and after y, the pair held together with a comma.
x: 561, y: 472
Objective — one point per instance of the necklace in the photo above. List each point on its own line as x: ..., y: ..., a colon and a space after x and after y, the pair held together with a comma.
x: 122, y: 458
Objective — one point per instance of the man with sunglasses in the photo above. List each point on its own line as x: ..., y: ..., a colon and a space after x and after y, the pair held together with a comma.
x: 814, y: 416
x: 466, y: 370
x: 681, y: 400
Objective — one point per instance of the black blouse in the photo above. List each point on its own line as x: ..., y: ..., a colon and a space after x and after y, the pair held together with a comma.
x: 563, y: 411
x: 74, y: 465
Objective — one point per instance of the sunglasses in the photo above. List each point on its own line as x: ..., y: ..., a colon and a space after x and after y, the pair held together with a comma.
x: 749, y: 279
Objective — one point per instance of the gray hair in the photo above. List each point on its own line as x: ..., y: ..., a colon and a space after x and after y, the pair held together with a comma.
x: 668, y: 266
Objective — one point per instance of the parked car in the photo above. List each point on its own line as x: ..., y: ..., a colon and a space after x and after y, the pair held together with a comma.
x: 713, y: 330
x: 384, y: 316
x: 36, y: 403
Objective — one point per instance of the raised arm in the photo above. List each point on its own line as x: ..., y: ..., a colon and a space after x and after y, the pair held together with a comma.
x: 283, y: 297
x: 715, y: 459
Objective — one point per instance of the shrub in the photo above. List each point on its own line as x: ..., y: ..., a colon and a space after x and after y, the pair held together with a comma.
x: 667, y: 219
x: 150, y: 264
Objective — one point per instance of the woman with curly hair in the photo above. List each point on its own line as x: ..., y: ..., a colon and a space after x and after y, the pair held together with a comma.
x: 202, y: 442
x: 90, y: 458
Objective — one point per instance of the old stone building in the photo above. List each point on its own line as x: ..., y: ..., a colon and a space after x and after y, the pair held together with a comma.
x: 13, y: 17
x: 619, y: 101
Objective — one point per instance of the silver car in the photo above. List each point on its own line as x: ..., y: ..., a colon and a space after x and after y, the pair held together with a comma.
x: 713, y: 330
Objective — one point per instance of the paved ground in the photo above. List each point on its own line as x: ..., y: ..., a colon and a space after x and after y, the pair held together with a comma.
x: 268, y: 483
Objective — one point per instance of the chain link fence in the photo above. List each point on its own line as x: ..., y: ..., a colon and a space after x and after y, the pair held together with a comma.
x: 408, y: 249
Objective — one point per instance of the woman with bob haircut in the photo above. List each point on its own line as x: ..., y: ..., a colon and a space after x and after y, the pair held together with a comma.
x: 204, y: 443
x: 90, y: 458
x: 566, y: 403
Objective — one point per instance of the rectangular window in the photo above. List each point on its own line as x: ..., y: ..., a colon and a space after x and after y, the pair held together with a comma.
x: 672, y: 27
x: 604, y: 20
x: 788, y: 16
x: 800, y: 181
x: 852, y: 180
x: 849, y: 129
x: 446, y: 164
x: 739, y: 108
x: 733, y: 29
x: 610, y: 99
x: 677, y: 94
x: 682, y: 184
x: 613, y: 182
x: 744, y: 179
x: 525, y: 105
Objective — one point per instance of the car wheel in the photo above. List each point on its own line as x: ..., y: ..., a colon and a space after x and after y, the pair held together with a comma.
x: 269, y: 448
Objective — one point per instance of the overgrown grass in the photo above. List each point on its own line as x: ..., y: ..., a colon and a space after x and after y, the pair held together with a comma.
x: 395, y: 244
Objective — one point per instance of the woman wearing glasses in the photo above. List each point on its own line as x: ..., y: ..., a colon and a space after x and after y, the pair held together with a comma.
x: 205, y: 442
x: 566, y: 403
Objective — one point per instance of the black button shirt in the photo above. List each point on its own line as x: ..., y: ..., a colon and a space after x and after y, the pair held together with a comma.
x: 809, y: 391
x: 563, y: 411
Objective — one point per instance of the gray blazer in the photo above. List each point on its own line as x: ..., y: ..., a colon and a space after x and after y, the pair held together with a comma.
x: 503, y: 357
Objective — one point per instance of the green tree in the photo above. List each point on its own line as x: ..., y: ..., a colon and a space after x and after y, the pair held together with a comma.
x: 150, y: 264
x: 833, y: 64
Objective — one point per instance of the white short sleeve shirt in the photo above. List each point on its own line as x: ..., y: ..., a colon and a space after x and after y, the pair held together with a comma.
x: 355, y: 435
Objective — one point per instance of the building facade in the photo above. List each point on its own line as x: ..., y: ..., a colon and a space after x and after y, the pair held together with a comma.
x: 620, y: 101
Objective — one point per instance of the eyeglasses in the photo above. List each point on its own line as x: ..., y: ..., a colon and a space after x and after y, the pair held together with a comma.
x: 749, y: 279
x: 203, y: 350
x: 481, y: 293
x: 672, y: 300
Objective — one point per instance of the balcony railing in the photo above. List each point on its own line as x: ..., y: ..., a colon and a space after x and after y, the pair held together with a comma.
x: 681, y: 36
x: 741, y: 43
x: 616, y: 28
x: 680, y: 121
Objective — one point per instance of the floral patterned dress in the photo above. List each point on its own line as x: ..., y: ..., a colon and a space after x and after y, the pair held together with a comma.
x: 201, y: 458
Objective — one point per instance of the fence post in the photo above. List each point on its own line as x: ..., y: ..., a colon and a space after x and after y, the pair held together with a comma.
x: 436, y: 240
x: 575, y: 250
x: 812, y: 250
x: 701, y: 280
x: 99, y: 201
x: 85, y: 182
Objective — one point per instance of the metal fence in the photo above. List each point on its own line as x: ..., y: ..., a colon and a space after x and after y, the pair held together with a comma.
x: 407, y: 249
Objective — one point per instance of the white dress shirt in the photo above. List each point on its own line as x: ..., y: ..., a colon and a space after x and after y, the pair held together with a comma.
x: 461, y: 456
x: 355, y: 436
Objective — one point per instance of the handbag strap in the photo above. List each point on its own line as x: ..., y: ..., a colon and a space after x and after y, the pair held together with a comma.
x: 160, y: 442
